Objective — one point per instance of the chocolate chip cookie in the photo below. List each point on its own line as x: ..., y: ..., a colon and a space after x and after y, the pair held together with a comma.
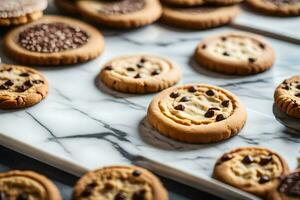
x: 197, y: 113
x: 287, y: 96
x: 23, y: 185
x: 235, y: 53
x: 67, y: 6
x: 15, y: 12
x: 54, y: 40
x: 183, y: 2
x: 287, y: 187
x: 199, y: 17
x: 21, y: 87
x: 121, y: 13
x: 119, y: 183
x: 139, y: 74
x: 276, y: 7
x: 252, y: 169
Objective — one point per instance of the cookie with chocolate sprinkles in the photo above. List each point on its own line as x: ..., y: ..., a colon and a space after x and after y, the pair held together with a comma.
x: 21, y: 87
x: 54, y: 40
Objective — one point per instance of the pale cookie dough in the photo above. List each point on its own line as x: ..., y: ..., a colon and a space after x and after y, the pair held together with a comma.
x: 23, y: 185
x: 235, y: 53
x: 121, y: 14
x: 251, y: 169
x: 287, y: 187
x: 119, y: 183
x: 54, y: 40
x: 197, y: 113
x: 287, y: 96
x: 139, y: 74
x: 21, y: 87
x: 15, y: 12
x: 277, y: 7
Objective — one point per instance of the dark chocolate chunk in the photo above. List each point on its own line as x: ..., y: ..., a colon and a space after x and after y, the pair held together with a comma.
x: 192, y: 89
x: 140, y: 195
x: 204, y: 46
x: 180, y: 107
x: 120, y: 196
x: 264, y: 179
x: 225, y: 53
x: 155, y: 72
x: 286, y: 87
x: 143, y: 60
x: 137, y: 76
x: 290, y: 185
x: 9, y: 83
x: 213, y: 108
x: 2, y: 196
x: 28, y: 83
x: 37, y: 81
x: 24, y: 74
x: 130, y: 69
x: 109, y: 68
x: 223, y: 38
x: 21, y: 88
x: 184, y: 99
x: 210, y: 93
x: 174, y: 95
x: 266, y: 160
x: 297, y: 95
x: 226, y: 157
x: 251, y: 60
x: 209, y: 114
x: 225, y: 103
x: 88, y: 189
x: 136, y: 173
x: 22, y: 196
x: 261, y: 45
x: 298, y: 87
x: 220, y: 117
x: 248, y: 160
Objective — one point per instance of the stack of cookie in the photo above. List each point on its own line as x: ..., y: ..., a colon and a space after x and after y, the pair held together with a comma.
x: 199, y: 14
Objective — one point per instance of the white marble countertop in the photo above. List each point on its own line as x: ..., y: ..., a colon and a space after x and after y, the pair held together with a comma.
x: 90, y: 127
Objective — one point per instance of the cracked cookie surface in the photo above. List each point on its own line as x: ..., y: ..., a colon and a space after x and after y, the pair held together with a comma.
x: 21, y: 87
x: 139, y: 74
x: 119, y: 183
x: 27, y: 185
x: 197, y: 113
x: 251, y: 169
x: 235, y: 53
x: 287, y: 96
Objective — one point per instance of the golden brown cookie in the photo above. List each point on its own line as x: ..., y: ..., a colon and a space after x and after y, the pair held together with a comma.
x: 121, y: 13
x: 22, y: 185
x: 276, y: 7
x: 184, y: 2
x: 201, y: 17
x: 139, y: 74
x: 67, y: 6
x: 287, y: 187
x: 119, y: 183
x: 21, y: 87
x: 223, y: 2
x: 235, y: 53
x: 287, y: 96
x: 15, y: 12
x: 54, y: 40
x: 197, y: 113
x: 251, y: 169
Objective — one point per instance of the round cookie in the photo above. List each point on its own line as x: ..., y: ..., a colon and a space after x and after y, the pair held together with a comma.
x: 197, y: 113
x: 251, y: 169
x: 276, y: 7
x: 235, y: 53
x: 223, y: 2
x: 119, y: 183
x: 67, y: 6
x: 21, y: 87
x: 22, y: 185
x: 54, y: 40
x: 287, y: 96
x: 184, y: 2
x: 201, y: 17
x: 139, y: 74
x: 15, y: 12
x: 287, y: 187
x: 121, y: 13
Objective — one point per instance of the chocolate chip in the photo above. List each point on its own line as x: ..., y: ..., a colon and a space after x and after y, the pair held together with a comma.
x: 9, y: 83
x: 2, y: 196
x: 120, y: 196
x: 22, y: 196
x: 192, y: 89
x: 298, y: 87
x: 184, y: 99
x: 28, y: 83
x: 204, y: 46
x: 225, y: 103
x: 213, y: 108
x: 223, y: 38
x: 24, y: 74
x: 252, y: 60
x: 264, y: 179
x: 262, y: 45
x: 140, y: 195
x: 226, y: 157
x: 88, y: 189
x: 4, y: 87
x: 225, y: 53
x: 37, y: 81
x: 136, y: 173
x: 137, y: 76
x: 143, y: 60
x: 265, y: 161
x: 209, y: 114
x: 210, y: 93
x: 286, y: 87
x: 21, y: 88
x: 130, y: 69
x: 155, y: 72
x: 247, y: 160
x: 174, y: 95
x: 140, y: 65
x: 220, y: 117
x: 180, y: 107
x: 297, y: 95
x: 109, y: 68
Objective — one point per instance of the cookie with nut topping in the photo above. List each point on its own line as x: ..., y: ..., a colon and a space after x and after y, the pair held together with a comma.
x: 23, y: 185
x: 197, y: 113
x: 287, y: 96
x: 54, y: 40
x: 21, y: 87
x: 139, y: 74
x: 120, y: 183
x: 252, y: 169
x: 235, y: 53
